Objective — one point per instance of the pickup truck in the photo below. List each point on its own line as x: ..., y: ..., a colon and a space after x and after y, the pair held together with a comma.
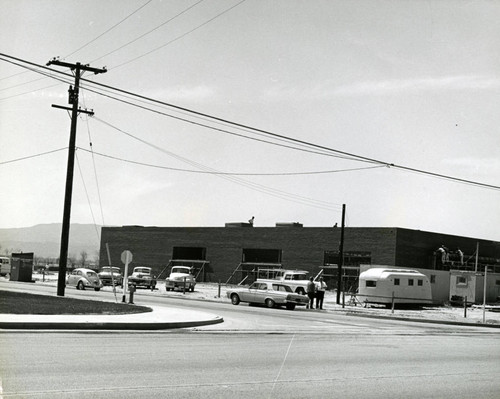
x: 296, y: 279
x: 109, y: 274
x: 142, y: 277
x: 179, y: 276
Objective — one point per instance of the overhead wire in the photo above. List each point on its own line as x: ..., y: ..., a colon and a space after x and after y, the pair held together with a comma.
x: 33, y: 156
x: 109, y: 30
x: 94, y: 164
x: 88, y: 198
x: 179, y: 37
x: 257, y: 187
x: 148, y: 32
x: 317, y: 172
x: 275, y: 135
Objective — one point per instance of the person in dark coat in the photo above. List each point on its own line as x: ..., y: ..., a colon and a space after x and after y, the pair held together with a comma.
x: 311, y: 293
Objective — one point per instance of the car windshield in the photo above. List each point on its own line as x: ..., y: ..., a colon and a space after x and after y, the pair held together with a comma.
x: 110, y: 269
x: 284, y: 288
x: 184, y: 270
x: 142, y: 270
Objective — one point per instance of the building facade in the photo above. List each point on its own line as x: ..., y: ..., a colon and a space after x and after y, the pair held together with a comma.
x: 233, y: 253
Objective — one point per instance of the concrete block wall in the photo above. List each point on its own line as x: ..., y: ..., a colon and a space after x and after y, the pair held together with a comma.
x: 302, y: 247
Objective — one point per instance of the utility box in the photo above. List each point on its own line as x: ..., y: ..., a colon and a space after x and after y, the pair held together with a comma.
x: 22, y: 267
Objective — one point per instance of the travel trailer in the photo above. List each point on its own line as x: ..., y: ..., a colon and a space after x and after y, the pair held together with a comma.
x: 405, y: 286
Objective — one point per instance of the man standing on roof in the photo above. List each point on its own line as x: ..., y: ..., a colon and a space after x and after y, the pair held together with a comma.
x: 311, y: 293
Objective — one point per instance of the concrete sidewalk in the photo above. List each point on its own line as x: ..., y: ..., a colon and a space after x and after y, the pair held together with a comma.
x: 160, y: 318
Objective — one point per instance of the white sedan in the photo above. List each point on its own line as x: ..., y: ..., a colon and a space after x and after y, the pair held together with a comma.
x: 84, y: 278
x: 269, y: 294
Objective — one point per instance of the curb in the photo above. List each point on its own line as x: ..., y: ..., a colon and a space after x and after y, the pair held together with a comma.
x: 449, y: 322
x: 20, y: 325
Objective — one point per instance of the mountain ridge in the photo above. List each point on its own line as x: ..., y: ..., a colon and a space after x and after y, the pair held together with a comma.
x: 44, y: 240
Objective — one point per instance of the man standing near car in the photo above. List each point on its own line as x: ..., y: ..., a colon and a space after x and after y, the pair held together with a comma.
x: 320, y: 293
x: 311, y: 291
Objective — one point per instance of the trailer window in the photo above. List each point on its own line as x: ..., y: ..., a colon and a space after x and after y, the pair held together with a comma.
x: 410, y: 281
x: 371, y: 283
x: 461, y: 280
x: 420, y: 282
x: 396, y: 281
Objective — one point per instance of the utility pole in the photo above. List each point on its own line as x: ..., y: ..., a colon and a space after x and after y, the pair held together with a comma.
x: 341, y: 257
x: 75, y: 110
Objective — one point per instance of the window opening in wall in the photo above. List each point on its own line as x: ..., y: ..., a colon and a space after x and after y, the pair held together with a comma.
x: 410, y: 281
x: 193, y: 257
x: 433, y: 278
x: 396, y: 281
x: 191, y: 253
x: 260, y: 255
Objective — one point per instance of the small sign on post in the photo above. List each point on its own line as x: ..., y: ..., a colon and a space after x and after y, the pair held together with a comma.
x: 126, y: 259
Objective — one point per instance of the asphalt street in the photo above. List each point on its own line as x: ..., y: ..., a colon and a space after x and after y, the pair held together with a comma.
x: 255, y: 352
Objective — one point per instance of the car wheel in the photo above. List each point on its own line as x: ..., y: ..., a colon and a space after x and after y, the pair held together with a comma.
x: 300, y: 291
x: 167, y: 288
x: 97, y: 289
x: 80, y: 286
x: 235, y: 299
x: 269, y: 303
x: 191, y: 289
x: 290, y: 306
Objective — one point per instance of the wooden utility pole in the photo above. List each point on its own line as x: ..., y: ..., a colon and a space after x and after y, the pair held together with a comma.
x: 75, y: 110
x: 341, y: 257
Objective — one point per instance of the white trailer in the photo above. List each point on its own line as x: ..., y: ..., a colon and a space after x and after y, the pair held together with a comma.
x: 404, y: 286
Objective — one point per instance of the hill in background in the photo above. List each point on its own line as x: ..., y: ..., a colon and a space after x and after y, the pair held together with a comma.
x: 45, y: 240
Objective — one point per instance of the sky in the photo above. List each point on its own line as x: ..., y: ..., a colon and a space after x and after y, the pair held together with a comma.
x: 390, y: 96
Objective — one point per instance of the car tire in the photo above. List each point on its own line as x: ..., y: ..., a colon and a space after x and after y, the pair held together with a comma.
x: 290, y: 306
x: 270, y: 303
x: 191, y: 289
x: 235, y: 299
x: 80, y: 286
x: 97, y: 289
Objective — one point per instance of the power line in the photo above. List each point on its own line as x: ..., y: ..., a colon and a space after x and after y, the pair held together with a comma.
x: 150, y: 31
x: 32, y: 156
x: 320, y: 172
x: 254, y: 186
x: 279, y: 136
x: 109, y: 30
x: 181, y: 36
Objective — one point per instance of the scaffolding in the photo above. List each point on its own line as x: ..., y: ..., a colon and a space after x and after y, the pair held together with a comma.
x: 251, y: 270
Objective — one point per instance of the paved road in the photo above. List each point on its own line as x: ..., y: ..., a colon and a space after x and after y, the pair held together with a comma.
x: 256, y: 353
x: 249, y: 365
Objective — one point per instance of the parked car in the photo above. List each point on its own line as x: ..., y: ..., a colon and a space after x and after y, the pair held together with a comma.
x: 142, y: 276
x: 180, y: 276
x: 83, y: 278
x: 269, y: 294
x: 107, y: 278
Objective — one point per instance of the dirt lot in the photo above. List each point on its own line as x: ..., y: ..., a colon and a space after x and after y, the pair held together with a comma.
x: 214, y: 292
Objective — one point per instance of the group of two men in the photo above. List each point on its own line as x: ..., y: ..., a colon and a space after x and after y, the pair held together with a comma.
x: 316, y: 290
